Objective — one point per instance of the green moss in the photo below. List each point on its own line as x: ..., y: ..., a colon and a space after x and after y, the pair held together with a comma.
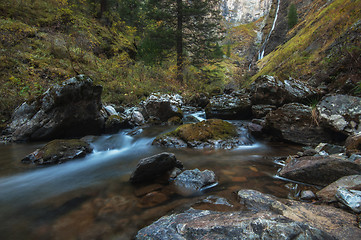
x: 56, y: 146
x: 213, y: 129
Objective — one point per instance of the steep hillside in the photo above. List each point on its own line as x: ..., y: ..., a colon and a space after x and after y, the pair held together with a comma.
x: 324, y: 47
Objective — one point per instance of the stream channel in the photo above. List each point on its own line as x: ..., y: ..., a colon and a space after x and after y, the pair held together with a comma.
x: 91, y: 198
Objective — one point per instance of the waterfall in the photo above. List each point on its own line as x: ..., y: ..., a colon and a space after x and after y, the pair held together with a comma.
x: 262, y: 50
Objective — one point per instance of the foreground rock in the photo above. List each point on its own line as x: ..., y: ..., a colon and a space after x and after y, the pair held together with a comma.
x: 294, y: 122
x: 342, y: 113
x: 229, y: 107
x: 269, y: 90
x: 71, y: 109
x: 161, y: 107
x: 319, y: 170
x: 204, y: 224
x: 213, y: 133
x: 335, y: 222
x: 350, y: 198
x: 191, y: 182
x: 149, y: 169
x: 59, y: 151
x: 328, y: 193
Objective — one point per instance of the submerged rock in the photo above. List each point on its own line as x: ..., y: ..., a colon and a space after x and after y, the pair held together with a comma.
x: 213, y: 133
x: 150, y: 168
x: 59, y: 151
x: 191, y: 182
x: 270, y: 90
x: 70, y: 109
x: 320, y: 170
x: 294, y: 122
x: 341, y: 113
x: 229, y: 107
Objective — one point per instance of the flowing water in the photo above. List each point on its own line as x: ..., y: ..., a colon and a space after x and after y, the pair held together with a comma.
x: 91, y: 198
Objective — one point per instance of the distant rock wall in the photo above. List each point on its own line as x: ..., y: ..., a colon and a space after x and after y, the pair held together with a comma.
x: 245, y: 11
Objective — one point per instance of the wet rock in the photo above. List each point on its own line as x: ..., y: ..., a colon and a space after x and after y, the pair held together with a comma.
x: 270, y: 90
x: 70, y: 109
x: 229, y: 107
x: 153, y: 199
x: 260, y: 111
x: 114, y: 123
x: 294, y: 122
x: 353, y: 144
x: 204, y: 224
x: 341, y: 113
x: 191, y: 182
x: 350, y: 198
x: 329, y: 148
x: 149, y: 169
x: 307, y: 195
x: 110, y: 110
x: 163, y: 106
x: 319, y: 170
x: 213, y: 133
x: 59, y: 151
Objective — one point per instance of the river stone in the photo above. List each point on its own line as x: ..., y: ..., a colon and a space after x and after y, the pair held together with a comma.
x: 336, y: 222
x: 162, y: 106
x: 293, y: 122
x: 342, y: 113
x: 191, y: 182
x: 350, y: 198
x: 229, y: 107
x: 205, y: 224
x: 328, y: 193
x: 353, y: 144
x: 59, y: 151
x: 70, y: 109
x: 260, y: 111
x: 319, y: 170
x: 270, y: 90
x: 150, y: 168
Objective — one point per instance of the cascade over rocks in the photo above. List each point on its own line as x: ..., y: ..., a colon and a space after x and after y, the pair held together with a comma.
x: 162, y: 107
x: 341, y: 113
x: 270, y: 90
x: 59, y: 151
x: 70, y: 109
x: 229, y: 107
x: 294, y: 122
x: 319, y: 170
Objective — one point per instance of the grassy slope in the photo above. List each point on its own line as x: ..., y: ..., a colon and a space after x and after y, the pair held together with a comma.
x: 305, y: 53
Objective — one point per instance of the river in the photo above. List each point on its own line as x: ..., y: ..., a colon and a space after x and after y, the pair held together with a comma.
x: 91, y: 198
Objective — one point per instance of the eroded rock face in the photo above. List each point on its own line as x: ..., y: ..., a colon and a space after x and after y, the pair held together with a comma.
x: 202, y: 224
x: 270, y: 90
x: 320, y: 170
x: 148, y: 169
x: 229, y: 107
x: 342, y: 113
x: 213, y: 133
x: 71, y: 109
x: 163, y: 106
x: 294, y: 122
x: 59, y: 151
x: 191, y: 182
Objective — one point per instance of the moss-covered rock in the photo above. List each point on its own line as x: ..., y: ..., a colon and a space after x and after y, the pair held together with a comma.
x: 213, y: 133
x: 58, y: 151
x: 114, y: 123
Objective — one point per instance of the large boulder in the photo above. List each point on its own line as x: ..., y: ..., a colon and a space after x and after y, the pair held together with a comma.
x: 70, y: 109
x: 205, y: 224
x: 319, y: 170
x: 213, y: 133
x: 229, y: 107
x: 270, y: 90
x: 58, y: 151
x: 295, y: 122
x: 150, y: 168
x: 341, y: 113
x: 162, y: 106
x: 191, y: 182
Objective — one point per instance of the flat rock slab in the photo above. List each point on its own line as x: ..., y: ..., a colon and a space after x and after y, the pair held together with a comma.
x: 148, y: 169
x: 320, y: 170
x: 328, y: 193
